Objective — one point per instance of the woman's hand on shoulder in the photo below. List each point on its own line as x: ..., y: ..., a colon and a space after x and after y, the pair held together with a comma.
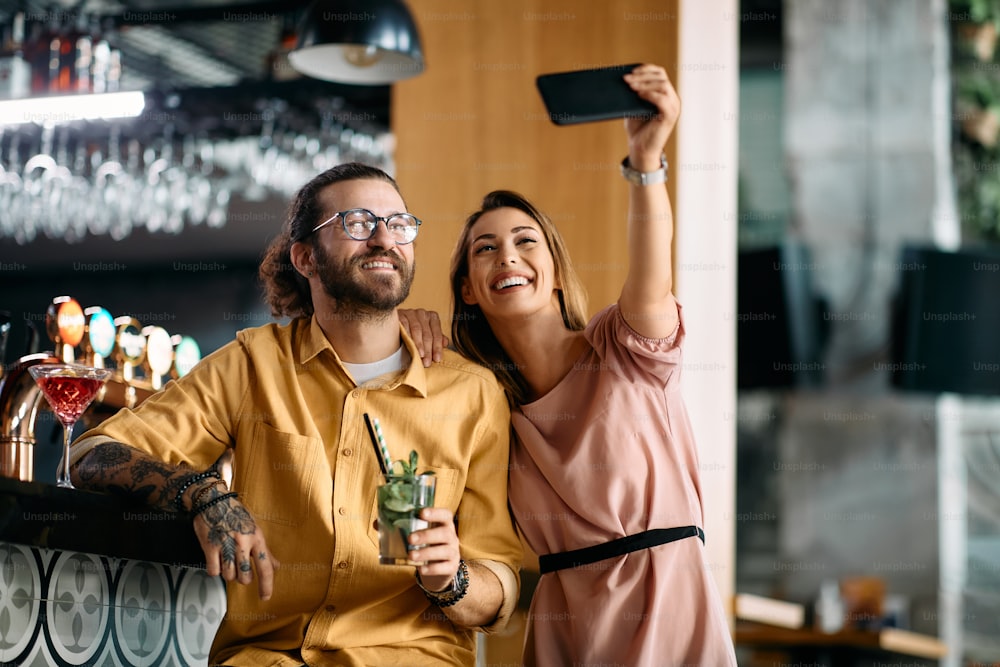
x: 647, y: 136
x: 424, y: 327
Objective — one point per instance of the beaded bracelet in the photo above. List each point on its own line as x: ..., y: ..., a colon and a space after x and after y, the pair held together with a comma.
x: 179, y: 498
x: 214, y: 501
x: 455, y: 592
x: 196, y: 498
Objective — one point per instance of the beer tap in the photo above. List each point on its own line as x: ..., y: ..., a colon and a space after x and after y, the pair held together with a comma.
x: 99, y: 340
x: 65, y: 323
x: 159, y: 355
x: 131, y: 351
x: 187, y: 353
x: 4, y: 332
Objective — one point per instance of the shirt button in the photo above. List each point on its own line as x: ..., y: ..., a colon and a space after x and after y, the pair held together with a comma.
x: 342, y: 511
x: 348, y: 451
x: 343, y: 565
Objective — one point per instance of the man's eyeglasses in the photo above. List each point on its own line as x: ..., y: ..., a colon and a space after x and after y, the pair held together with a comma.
x: 360, y: 224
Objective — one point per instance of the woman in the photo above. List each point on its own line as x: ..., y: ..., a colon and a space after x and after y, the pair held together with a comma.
x: 603, y: 449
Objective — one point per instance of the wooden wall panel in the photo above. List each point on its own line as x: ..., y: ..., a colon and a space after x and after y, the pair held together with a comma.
x: 473, y: 122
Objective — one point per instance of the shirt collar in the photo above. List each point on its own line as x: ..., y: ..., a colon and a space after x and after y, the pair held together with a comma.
x: 314, y: 341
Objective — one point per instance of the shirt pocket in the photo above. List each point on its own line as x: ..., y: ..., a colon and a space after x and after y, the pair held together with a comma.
x: 446, y: 494
x: 276, y: 473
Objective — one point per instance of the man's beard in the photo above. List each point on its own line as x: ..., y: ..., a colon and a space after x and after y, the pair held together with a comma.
x: 378, y: 296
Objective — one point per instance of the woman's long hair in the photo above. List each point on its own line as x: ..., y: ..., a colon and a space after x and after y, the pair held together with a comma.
x: 471, y: 333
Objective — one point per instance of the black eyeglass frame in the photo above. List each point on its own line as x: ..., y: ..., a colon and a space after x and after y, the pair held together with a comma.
x: 376, y: 219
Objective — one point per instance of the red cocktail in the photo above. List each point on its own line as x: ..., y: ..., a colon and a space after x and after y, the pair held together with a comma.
x: 69, y: 389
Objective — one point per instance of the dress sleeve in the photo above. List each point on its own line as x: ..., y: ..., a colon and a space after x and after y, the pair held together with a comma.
x: 620, y: 347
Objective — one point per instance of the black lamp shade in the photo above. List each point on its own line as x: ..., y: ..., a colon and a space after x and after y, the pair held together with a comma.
x: 779, y: 328
x: 358, y: 42
x: 946, y: 321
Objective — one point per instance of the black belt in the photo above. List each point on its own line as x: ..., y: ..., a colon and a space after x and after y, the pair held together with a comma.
x: 618, y: 547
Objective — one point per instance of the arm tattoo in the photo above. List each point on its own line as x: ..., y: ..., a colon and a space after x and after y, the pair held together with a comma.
x: 122, y: 470
x: 102, y: 463
x: 159, y: 475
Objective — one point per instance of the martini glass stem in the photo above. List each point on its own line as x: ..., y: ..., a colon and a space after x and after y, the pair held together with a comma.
x: 62, y: 477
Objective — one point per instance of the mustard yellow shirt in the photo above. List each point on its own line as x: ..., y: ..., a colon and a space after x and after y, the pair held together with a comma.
x: 305, y: 467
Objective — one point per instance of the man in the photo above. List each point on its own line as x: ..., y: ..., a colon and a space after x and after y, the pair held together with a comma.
x: 291, y: 401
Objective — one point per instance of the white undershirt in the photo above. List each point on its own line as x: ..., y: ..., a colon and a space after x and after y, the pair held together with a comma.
x: 394, y: 363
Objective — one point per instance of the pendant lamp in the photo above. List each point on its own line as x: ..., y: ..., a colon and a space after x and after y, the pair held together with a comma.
x: 365, y: 42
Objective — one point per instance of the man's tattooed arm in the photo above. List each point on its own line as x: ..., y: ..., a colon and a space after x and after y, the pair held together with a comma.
x: 122, y: 470
x: 234, y: 546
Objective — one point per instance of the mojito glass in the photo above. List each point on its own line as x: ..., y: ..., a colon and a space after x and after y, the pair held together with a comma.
x: 400, y: 500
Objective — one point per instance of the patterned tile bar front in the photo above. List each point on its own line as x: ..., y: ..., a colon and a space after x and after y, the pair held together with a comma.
x: 71, y: 608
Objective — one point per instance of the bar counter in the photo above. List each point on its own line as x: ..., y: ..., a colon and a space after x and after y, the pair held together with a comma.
x: 44, y: 515
x: 91, y: 579
x: 846, y: 647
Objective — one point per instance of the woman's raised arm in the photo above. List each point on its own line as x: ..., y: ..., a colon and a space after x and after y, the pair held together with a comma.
x: 647, y: 301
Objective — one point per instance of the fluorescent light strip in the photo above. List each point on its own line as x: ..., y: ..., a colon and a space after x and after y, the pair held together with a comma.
x: 66, y: 108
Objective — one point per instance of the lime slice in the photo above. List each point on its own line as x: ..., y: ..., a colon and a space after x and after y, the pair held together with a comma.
x: 398, y: 505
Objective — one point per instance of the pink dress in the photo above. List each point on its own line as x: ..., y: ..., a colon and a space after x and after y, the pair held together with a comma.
x: 606, y: 453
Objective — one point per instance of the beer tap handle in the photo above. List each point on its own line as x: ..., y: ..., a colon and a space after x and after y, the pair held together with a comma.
x: 64, y: 323
x: 159, y: 355
x: 131, y: 350
x: 32, y: 338
x: 4, y: 333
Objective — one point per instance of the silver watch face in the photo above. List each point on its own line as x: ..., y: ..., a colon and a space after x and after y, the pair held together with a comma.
x: 461, y: 578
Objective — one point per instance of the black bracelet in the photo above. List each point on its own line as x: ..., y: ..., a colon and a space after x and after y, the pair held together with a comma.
x: 196, y: 498
x: 214, y: 501
x: 455, y: 592
x: 193, y: 479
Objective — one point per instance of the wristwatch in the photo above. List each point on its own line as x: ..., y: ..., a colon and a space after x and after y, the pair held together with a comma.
x: 645, y: 177
x: 449, y: 596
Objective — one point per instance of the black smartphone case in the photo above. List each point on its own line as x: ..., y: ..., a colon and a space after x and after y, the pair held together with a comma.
x: 586, y: 96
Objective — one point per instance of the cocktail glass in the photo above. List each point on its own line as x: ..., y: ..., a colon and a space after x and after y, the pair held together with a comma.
x: 69, y: 389
x: 400, y: 500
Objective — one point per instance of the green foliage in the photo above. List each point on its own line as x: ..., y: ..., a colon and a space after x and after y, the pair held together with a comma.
x: 977, y: 11
x: 976, y: 87
x: 976, y: 116
x: 406, y: 468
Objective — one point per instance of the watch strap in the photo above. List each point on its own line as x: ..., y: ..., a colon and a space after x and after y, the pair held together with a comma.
x: 645, y: 177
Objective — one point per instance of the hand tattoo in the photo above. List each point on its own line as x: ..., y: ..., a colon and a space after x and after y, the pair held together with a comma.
x: 224, y: 520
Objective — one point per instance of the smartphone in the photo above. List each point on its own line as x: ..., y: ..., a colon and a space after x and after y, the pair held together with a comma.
x: 589, y: 95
